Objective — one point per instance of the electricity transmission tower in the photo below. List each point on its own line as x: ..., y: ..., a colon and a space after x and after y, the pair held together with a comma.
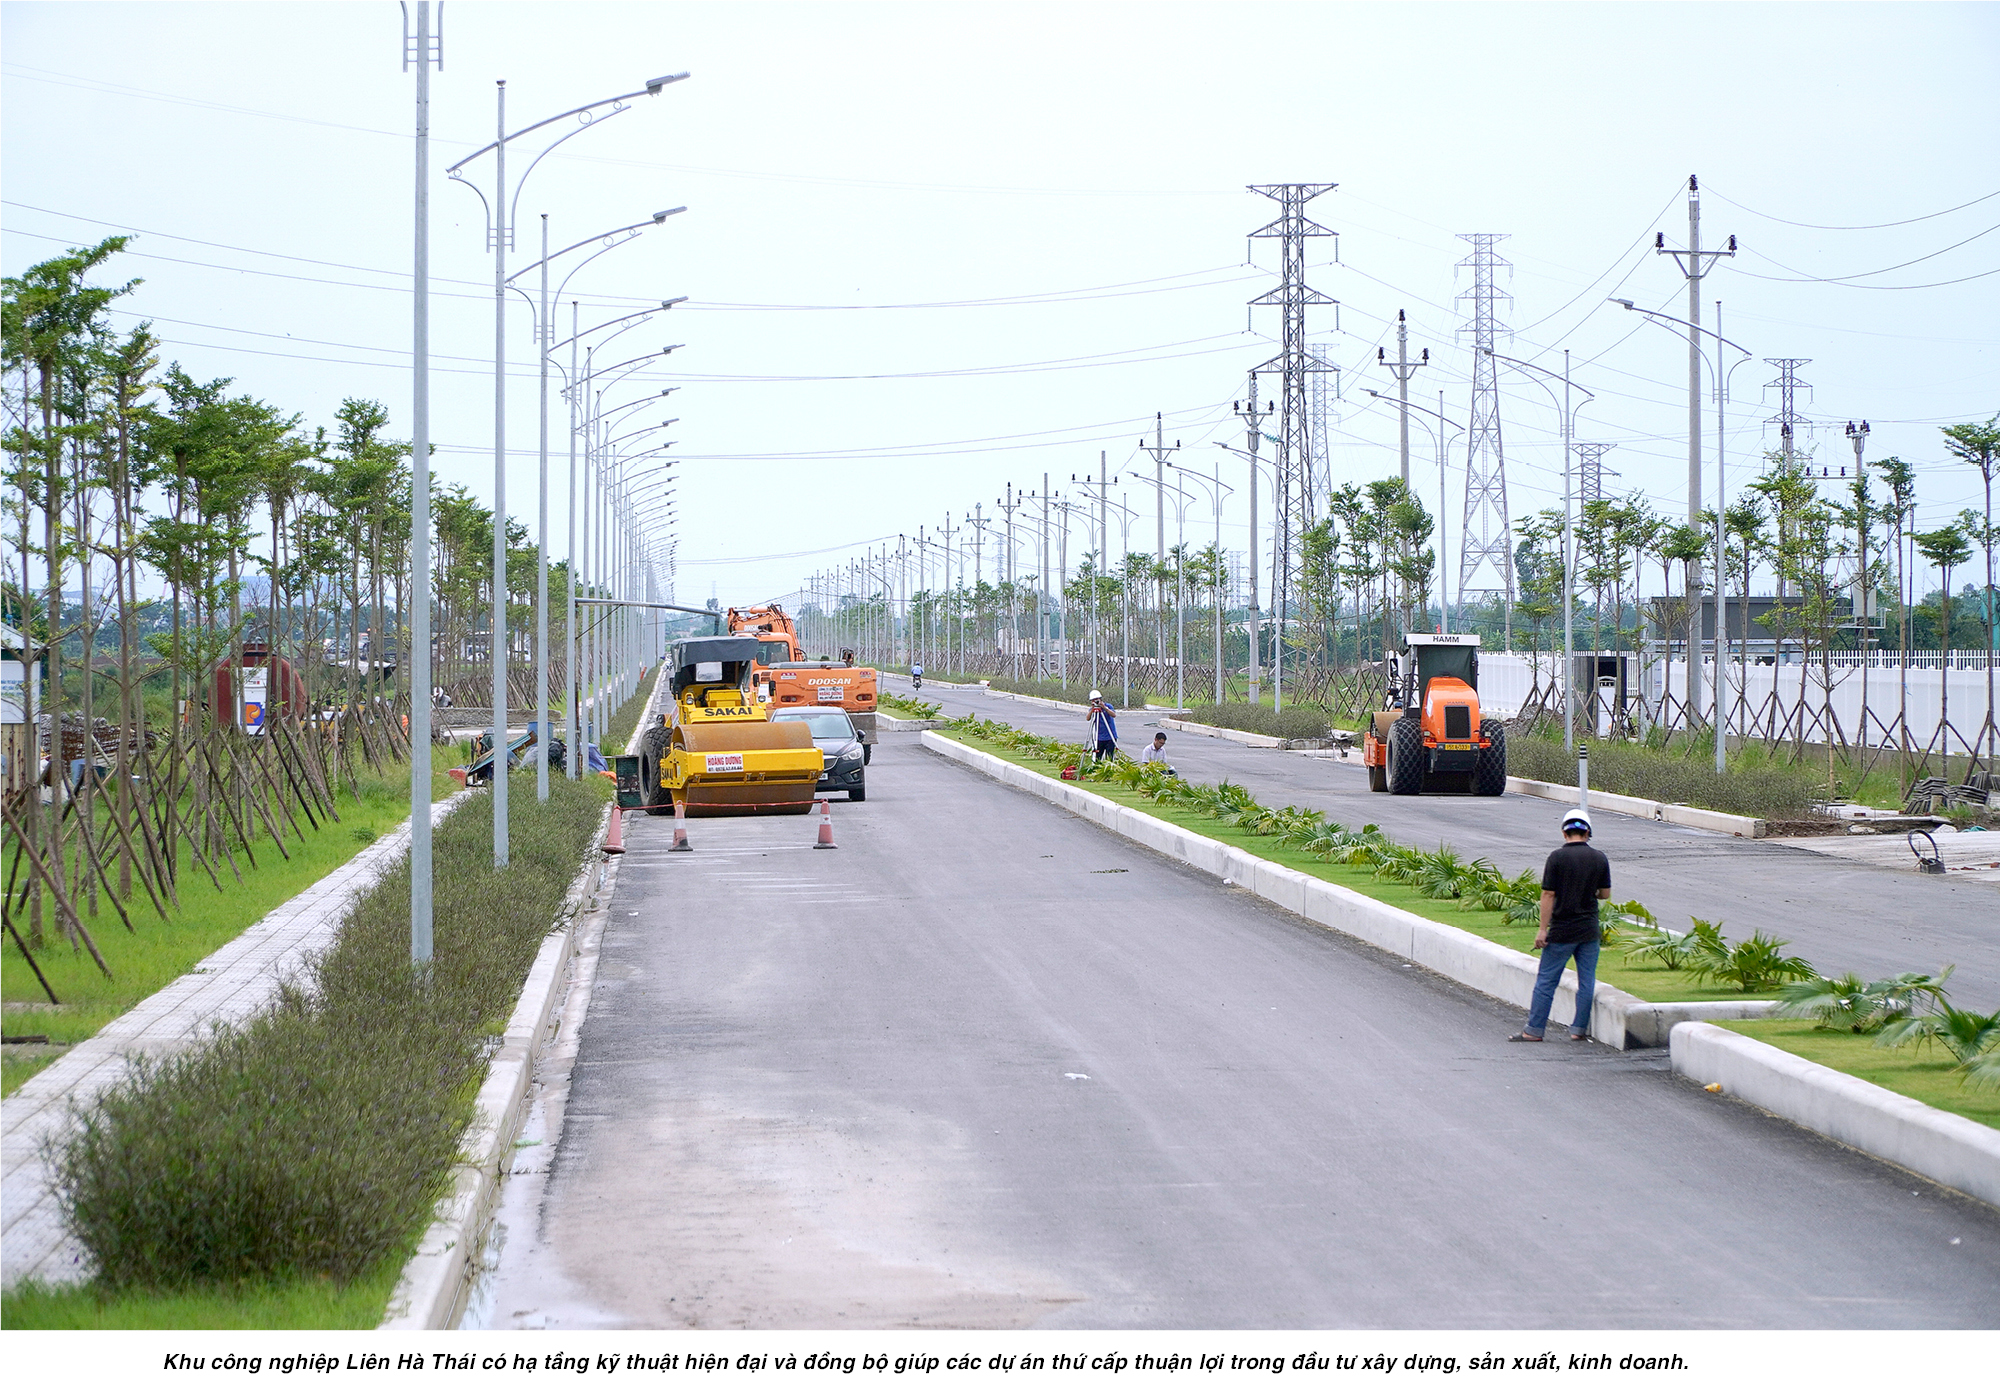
x: 1297, y: 364
x: 1324, y: 416
x: 1591, y: 469
x: 1486, y: 557
x: 1788, y: 385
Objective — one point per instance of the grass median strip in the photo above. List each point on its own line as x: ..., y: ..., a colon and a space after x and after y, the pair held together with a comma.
x: 144, y: 961
x: 286, y: 1167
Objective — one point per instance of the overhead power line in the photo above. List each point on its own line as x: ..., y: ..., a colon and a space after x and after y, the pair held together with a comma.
x: 1852, y: 228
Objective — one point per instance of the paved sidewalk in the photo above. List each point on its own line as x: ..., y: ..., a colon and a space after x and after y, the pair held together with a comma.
x: 230, y: 986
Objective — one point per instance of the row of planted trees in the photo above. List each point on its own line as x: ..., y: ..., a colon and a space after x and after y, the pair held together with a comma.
x: 1847, y: 568
x: 167, y: 540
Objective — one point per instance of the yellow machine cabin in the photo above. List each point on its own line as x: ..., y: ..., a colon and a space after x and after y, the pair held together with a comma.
x: 719, y: 751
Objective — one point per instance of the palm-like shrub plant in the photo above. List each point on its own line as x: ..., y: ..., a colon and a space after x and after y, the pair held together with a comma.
x: 1965, y: 1035
x: 1756, y: 963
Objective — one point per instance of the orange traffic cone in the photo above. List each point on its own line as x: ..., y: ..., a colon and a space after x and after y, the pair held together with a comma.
x: 614, y: 835
x: 825, y: 842
x: 680, y: 828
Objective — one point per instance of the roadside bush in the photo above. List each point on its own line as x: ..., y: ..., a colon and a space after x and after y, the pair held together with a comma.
x: 313, y: 1140
x: 1637, y: 770
x: 1756, y: 963
x: 1846, y: 1003
x: 1292, y: 722
x: 912, y: 709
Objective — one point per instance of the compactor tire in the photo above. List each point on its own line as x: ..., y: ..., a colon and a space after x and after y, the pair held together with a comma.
x: 652, y: 744
x: 1378, y: 778
x: 1408, y: 763
x: 1489, y: 776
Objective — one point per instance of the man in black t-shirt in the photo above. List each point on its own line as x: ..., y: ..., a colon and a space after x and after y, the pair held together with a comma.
x: 1574, y: 880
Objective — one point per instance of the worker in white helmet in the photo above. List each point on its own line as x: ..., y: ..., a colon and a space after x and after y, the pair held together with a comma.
x: 1575, y: 879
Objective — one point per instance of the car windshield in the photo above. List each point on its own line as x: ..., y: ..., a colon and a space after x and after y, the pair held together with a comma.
x: 823, y: 726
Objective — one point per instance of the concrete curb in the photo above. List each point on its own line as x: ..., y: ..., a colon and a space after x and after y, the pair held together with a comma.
x: 431, y: 1293
x: 231, y: 985
x: 1618, y: 1019
x: 897, y: 725
x: 1698, y: 817
x: 1943, y: 1146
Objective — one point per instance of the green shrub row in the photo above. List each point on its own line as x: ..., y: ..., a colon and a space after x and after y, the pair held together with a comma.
x: 1754, y: 964
x: 1639, y: 770
x: 313, y: 1140
x: 910, y: 709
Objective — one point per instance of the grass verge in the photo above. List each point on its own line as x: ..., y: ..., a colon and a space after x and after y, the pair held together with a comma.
x: 1292, y: 722
x: 1926, y: 1075
x: 618, y: 733
x: 260, y: 1305
x: 1638, y: 978
x: 1752, y: 786
x: 306, y: 1149
x: 144, y: 961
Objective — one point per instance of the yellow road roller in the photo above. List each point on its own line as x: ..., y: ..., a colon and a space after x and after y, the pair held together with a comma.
x: 719, y: 752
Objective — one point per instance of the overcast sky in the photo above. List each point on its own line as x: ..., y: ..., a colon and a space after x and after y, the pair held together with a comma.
x: 856, y: 174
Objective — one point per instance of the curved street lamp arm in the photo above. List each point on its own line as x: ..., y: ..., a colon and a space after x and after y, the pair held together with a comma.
x: 633, y: 229
x: 521, y: 180
x: 651, y: 89
x: 1663, y: 316
x: 658, y: 218
x: 1419, y: 408
x: 628, y: 316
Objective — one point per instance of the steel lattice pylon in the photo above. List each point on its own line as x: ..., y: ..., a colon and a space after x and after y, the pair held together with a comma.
x: 1591, y: 470
x: 1788, y: 385
x: 1324, y: 393
x: 1296, y: 363
x: 1486, y: 555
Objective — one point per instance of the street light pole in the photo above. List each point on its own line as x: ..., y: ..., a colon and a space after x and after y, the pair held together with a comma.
x: 498, y: 618
x: 420, y: 503
x: 1721, y: 507
x: 500, y: 226
x: 1253, y: 422
x: 1569, y: 542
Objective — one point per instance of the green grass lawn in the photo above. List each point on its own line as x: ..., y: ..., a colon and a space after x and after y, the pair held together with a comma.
x: 312, y: 1305
x: 144, y: 961
x: 1642, y: 979
x: 1924, y: 1073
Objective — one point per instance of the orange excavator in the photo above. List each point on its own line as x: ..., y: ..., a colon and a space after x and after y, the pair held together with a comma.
x: 782, y: 676
x: 1434, y: 739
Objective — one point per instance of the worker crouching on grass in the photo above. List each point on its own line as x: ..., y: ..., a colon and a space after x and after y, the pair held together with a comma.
x: 1575, y: 880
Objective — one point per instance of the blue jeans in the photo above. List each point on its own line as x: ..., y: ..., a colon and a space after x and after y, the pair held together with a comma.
x: 1555, y: 957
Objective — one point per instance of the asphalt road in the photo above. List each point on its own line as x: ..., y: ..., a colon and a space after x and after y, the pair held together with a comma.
x: 1839, y: 914
x: 988, y: 1065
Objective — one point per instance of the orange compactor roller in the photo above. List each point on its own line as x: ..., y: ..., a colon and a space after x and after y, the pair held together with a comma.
x: 1433, y: 738
x: 783, y: 676
x: 719, y: 752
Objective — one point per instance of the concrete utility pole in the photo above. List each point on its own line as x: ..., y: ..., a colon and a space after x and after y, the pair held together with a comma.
x: 1160, y: 453
x: 1253, y: 416
x: 1693, y: 267
x: 1403, y: 367
x: 1864, y: 595
x: 1008, y: 503
x: 1093, y: 489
